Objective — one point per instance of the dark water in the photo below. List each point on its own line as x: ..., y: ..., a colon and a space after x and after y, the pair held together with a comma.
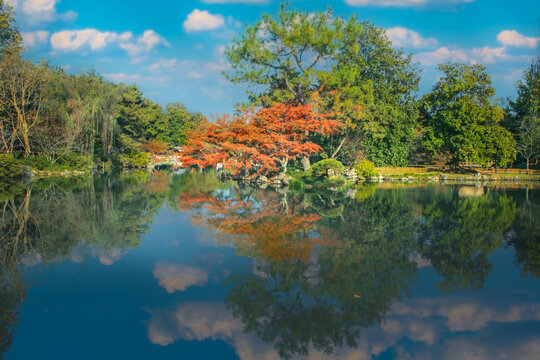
x: 187, y: 267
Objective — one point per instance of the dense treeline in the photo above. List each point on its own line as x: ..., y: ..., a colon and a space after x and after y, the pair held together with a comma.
x: 55, y: 116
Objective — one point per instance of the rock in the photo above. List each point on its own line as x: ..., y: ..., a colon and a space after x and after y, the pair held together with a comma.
x: 27, y: 175
x: 262, y: 179
x: 373, y: 178
x: 330, y: 173
x: 410, y: 178
x: 443, y: 177
x: 478, y: 175
x: 308, y: 186
x: 305, y: 163
x: 285, y: 181
x: 380, y: 177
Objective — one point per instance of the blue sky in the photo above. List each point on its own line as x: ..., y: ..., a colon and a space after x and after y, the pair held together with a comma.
x: 173, y: 49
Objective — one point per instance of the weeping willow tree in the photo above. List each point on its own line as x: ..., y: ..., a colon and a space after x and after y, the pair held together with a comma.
x: 80, y: 115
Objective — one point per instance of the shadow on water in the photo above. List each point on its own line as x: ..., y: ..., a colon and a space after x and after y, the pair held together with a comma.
x: 327, y: 267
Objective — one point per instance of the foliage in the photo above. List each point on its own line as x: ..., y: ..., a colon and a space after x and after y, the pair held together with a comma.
x: 9, y: 167
x: 156, y: 147
x: 257, y: 140
x: 365, y: 168
x: 47, y: 113
x: 10, y: 38
x: 320, y: 169
x: 350, y: 67
x: 460, y: 121
x: 131, y: 159
x: 74, y: 161
x: 70, y: 161
x: 524, y: 119
x: 179, y: 122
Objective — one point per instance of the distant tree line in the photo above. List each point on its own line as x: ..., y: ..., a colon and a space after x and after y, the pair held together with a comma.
x: 48, y: 113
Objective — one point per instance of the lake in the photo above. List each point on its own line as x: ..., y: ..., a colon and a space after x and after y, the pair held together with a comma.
x: 158, y: 266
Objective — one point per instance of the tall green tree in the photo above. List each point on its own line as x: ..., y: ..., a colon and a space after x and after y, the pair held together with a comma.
x: 10, y: 38
x: 525, y: 115
x: 346, y: 63
x: 461, y: 123
x: 179, y: 121
x: 137, y: 117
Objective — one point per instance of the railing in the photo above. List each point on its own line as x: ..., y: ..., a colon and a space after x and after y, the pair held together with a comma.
x: 439, y: 168
x: 509, y: 171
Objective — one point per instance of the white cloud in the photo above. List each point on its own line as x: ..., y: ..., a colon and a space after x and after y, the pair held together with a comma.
x: 149, y: 40
x: 43, y: 10
x: 174, y: 277
x: 71, y: 40
x: 402, y: 37
x: 403, y: 3
x: 163, y: 64
x: 513, y: 38
x: 34, y: 38
x: 122, y: 77
x: 202, y: 20
x: 484, y: 55
x: 488, y: 55
x: 195, y: 75
x: 441, y: 55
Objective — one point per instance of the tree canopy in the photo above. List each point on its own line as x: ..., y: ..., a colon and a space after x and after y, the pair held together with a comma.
x: 347, y: 63
x: 461, y: 123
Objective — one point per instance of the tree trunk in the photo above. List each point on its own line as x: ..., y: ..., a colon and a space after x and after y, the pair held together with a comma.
x: 284, y: 163
x: 339, y: 147
x: 527, y: 165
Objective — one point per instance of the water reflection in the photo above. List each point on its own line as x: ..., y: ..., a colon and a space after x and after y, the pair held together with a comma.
x: 69, y: 219
x: 332, y: 275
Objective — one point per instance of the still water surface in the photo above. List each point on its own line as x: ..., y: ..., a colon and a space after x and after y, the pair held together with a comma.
x: 188, y: 267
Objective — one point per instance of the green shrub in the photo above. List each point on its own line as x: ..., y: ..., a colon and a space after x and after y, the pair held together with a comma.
x: 73, y: 161
x: 365, y: 168
x: 10, y: 167
x: 319, y: 169
x: 37, y: 162
x: 132, y: 159
x: 297, y: 184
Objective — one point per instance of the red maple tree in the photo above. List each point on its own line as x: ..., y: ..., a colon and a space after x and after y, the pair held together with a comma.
x: 261, y: 140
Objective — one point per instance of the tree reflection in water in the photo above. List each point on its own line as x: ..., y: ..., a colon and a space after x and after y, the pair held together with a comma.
x: 65, y: 219
x: 328, y: 266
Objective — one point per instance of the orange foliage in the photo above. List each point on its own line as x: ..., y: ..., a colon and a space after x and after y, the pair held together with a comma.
x: 259, y: 140
x: 156, y: 147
